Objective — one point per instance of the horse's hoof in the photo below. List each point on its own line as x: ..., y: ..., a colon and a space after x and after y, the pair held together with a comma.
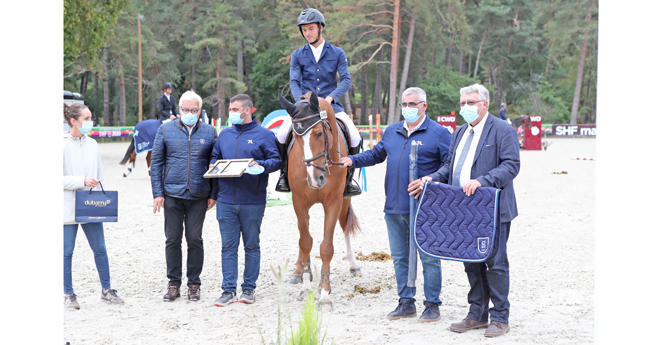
x: 124, y: 174
x: 149, y: 172
x: 295, y: 279
x: 356, y: 272
x: 325, y: 306
x: 303, y: 295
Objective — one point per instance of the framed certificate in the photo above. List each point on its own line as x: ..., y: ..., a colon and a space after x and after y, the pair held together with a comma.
x: 228, y: 168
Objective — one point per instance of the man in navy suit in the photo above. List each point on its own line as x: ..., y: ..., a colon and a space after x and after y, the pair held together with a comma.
x: 483, y: 152
x: 167, y: 104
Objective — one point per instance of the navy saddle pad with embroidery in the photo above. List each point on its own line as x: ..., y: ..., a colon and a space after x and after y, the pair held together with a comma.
x: 145, y: 134
x: 453, y: 226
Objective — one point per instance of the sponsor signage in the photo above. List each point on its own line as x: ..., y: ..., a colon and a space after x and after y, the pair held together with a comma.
x: 574, y: 130
x: 448, y: 121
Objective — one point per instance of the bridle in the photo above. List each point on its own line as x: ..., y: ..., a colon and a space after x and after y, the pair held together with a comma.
x: 323, y: 115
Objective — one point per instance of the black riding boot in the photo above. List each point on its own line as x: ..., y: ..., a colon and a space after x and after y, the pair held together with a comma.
x: 283, y: 182
x: 352, y: 187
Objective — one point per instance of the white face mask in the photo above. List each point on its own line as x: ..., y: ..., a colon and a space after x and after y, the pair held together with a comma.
x: 469, y: 113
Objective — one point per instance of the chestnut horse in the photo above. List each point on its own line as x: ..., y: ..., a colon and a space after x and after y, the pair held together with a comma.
x: 130, y: 158
x: 315, y: 176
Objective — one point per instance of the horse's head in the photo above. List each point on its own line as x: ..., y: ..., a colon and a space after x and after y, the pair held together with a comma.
x: 312, y: 121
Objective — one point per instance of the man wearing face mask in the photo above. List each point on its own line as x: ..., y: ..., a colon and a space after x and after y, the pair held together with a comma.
x: 181, y: 155
x: 484, y: 152
x: 242, y: 200
x: 314, y: 67
x: 433, y: 150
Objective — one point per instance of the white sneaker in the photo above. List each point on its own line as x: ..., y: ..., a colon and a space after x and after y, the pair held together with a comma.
x: 71, y: 301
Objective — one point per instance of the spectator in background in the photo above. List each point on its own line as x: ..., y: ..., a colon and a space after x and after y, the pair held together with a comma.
x: 503, y: 112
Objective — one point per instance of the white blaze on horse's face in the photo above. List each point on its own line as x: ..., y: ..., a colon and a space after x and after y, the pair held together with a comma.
x: 315, y: 176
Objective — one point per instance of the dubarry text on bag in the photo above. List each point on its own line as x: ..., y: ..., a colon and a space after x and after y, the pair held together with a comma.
x: 96, y: 207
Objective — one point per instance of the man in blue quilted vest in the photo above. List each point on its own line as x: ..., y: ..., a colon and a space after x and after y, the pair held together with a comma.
x: 483, y: 152
x: 180, y: 157
x: 433, y: 150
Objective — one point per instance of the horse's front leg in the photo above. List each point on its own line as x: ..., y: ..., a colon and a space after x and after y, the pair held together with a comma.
x: 327, y: 252
x: 305, y: 243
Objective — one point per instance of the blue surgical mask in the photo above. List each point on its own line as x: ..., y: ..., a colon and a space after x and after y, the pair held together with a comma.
x: 410, y: 114
x: 86, y: 127
x: 469, y: 113
x: 188, y: 118
x: 235, y: 118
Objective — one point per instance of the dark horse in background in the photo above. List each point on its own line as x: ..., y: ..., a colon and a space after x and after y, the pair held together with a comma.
x: 315, y: 176
x: 142, y: 141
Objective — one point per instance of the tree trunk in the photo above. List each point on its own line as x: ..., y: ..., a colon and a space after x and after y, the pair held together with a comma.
x: 450, y: 51
x: 364, y: 105
x: 106, y: 89
x: 406, y: 61
x: 378, y: 89
x: 578, y: 79
x: 239, y: 59
x: 219, y: 74
x: 122, y: 94
x: 347, y: 104
x: 248, y: 70
x: 153, y: 104
x: 84, y: 80
x: 461, y: 66
x: 391, y: 114
x: 476, y: 65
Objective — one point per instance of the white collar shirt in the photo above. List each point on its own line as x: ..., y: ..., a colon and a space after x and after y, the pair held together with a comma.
x: 317, y: 50
x: 469, y: 159
x: 410, y: 132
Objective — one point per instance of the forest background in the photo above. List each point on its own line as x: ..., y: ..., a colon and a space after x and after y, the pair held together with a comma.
x: 539, y: 57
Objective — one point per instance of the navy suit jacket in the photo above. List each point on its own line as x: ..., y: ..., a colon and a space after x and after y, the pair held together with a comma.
x: 165, y: 106
x: 496, y: 162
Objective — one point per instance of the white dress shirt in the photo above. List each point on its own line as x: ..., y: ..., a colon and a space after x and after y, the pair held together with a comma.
x: 469, y: 159
x: 317, y: 50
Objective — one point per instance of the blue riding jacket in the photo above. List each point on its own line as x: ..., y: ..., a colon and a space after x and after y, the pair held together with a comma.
x: 433, y: 150
x: 246, y: 141
x: 321, y: 77
x: 179, y: 161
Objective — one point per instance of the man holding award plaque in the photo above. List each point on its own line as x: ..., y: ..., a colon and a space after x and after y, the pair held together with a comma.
x: 242, y: 198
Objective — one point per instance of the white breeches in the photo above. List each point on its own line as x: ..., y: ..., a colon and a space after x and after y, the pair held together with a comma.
x: 353, y: 133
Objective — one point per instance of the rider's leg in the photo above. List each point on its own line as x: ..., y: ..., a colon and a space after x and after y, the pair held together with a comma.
x: 352, y: 188
x: 282, y: 133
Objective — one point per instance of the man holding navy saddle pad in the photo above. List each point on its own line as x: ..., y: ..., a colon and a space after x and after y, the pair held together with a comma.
x: 483, y: 152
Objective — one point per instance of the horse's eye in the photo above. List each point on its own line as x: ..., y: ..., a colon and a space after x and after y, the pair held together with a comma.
x: 319, y: 134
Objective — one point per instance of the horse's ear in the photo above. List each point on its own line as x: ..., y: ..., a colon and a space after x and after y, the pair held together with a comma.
x: 288, y: 106
x: 314, y: 101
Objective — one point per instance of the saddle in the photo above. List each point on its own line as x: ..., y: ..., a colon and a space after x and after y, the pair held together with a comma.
x: 453, y: 226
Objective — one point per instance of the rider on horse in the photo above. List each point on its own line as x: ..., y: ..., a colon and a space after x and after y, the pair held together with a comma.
x: 314, y: 67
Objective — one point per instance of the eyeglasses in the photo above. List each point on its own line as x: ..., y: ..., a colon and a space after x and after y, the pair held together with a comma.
x: 189, y: 110
x: 410, y: 104
x: 462, y: 104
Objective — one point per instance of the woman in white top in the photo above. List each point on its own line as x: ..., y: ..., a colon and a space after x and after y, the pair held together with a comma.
x: 82, y: 169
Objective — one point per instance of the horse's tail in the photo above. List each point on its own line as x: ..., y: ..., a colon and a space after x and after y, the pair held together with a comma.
x: 352, y: 224
x: 127, y: 156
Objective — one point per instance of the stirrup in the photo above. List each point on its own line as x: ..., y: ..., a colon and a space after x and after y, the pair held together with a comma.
x: 283, y: 184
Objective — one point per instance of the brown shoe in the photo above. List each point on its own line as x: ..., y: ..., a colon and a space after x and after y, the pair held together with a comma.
x: 496, y: 328
x: 172, y: 293
x: 193, y: 292
x: 466, y: 325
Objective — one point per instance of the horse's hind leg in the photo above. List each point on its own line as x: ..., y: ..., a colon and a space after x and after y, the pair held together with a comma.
x: 349, y: 226
x: 296, y: 277
x: 149, y: 162
x: 131, y: 164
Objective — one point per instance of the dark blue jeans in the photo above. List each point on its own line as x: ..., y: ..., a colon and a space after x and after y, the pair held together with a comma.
x: 234, y: 221
x: 399, y: 236
x: 489, y: 281
x: 96, y: 240
x: 191, y: 213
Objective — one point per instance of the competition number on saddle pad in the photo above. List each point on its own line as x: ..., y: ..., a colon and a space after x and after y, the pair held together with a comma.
x: 453, y: 226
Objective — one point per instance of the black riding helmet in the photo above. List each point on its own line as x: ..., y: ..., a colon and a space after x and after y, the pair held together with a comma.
x: 310, y: 16
x: 167, y: 86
